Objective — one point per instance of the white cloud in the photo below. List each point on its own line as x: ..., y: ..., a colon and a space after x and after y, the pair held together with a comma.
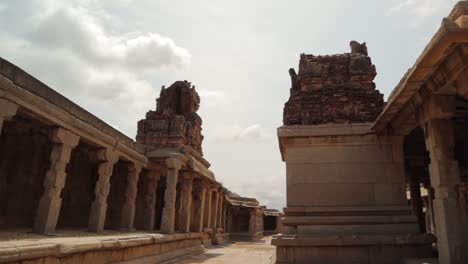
x: 251, y: 133
x: 417, y: 12
x: 65, y: 45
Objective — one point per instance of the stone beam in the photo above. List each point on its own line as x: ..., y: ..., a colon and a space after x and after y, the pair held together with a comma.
x: 128, y: 209
x: 7, y: 111
x: 168, y: 215
x: 107, y: 159
x: 49, y: 205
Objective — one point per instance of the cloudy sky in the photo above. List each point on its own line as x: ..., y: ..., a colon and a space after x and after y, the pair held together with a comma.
x: 112, y: 56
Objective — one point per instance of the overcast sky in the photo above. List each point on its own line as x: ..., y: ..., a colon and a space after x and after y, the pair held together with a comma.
x: 112, y: 56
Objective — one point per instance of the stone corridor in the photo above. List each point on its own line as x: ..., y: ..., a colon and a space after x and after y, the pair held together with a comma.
x: 255, y: 252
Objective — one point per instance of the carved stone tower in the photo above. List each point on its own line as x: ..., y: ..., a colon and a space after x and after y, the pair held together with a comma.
x: 346, y: 199
x: 334, y: 89
x: 175, y: 123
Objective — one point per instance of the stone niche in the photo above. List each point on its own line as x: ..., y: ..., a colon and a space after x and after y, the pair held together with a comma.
x: 336, y: 88
x: 346, y: 200
x: 175, y: 123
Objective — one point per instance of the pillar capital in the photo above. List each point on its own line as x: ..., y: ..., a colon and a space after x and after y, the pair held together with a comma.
x: 8, y: 109
x: 106, y: 154
x: 173, y: 163
x: 60, y: 135
x: 438, y: 107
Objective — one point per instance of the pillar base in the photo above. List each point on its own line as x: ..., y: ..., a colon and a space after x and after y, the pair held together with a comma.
x: 351, y: 249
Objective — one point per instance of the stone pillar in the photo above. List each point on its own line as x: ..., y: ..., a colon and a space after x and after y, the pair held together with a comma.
x: 445, y: 178
x: 127, y: 217
x: 168, y: 215
x: 150, y: 200
x: 186, y: 202
x: 7, y: 111
x: 207, y: 221
x: 107, y: 159
x: 199, y: 206
x: 253, y: 215
x: 416, y: 199
x: 224, y: 215
x: 49, y: 205
x: 278, y: 224
x: 450, y: 218
x: 220, y: 209
x: 215, y: 209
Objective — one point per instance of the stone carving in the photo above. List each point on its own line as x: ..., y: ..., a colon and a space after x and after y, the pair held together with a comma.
x: 358, y: 48
x: 175, y: 122
x: 334, y: 89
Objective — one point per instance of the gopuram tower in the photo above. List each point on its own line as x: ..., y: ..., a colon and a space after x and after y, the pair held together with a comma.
x: 346, y: 196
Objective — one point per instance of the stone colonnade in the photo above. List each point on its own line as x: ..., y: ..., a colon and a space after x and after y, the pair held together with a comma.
x: 201, y: 199
x: 450, y: 216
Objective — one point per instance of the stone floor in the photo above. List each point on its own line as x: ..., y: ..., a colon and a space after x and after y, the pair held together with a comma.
x: 258, y: 252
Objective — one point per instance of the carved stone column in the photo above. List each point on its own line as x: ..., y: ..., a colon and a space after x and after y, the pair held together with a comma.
x: 207, y: 221
x: 220, y: 210
x: 444, y: 173
x: 7, y: 111
x: 168, y: 217
x: 253, y: 214
x: 199, y: 192
x: 97, y: 216
x: 445, y: 179
x: 49, y: 205
x: 224, y: 217
x: 128, y: 209
x: 215, y: 209
x: 416, y: 199
x: 150, y: 199
x: 185, y: 216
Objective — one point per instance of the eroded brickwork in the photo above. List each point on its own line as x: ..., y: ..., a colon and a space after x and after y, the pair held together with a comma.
x: 175, y: 122
x: 334, y: 89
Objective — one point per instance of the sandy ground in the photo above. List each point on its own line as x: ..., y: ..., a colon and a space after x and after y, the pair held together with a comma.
x: 259, y: 252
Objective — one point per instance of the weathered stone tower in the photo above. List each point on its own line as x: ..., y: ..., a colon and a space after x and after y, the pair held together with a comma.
x: 346, y: 199
x: 175, y: 123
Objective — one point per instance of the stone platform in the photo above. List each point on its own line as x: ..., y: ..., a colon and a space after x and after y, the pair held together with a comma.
x: 124, y: 248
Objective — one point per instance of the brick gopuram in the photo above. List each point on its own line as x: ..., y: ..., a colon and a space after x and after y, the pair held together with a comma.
x: 346, y: 200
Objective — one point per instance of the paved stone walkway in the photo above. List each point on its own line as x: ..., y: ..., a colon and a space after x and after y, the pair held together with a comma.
x: 259, y: 252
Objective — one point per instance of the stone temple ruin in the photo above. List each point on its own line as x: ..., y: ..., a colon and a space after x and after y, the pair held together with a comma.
x: 357, y: 168
x: 64, y: 170
x: 367, y: 181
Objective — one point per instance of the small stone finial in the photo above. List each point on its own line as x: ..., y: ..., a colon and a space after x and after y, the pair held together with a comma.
x: 163, y: 87
x: 293, y: 75
x: 358, y: 48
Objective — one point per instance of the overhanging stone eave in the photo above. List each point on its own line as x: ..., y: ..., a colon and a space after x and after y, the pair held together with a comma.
x: 186, y: 159
x: 434, y: 53
x: 23, y: 80
x: 38, y: 107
